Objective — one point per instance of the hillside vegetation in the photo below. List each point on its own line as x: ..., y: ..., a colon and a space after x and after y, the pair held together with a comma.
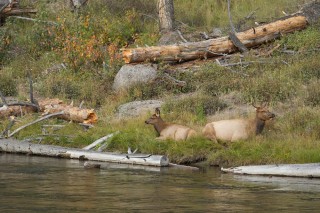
x: 89, y: 40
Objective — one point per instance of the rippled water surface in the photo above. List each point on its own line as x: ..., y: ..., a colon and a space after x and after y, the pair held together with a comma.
x: 41, y: 184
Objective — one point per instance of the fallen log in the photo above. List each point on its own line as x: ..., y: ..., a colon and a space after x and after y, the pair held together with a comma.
x: 50, y: 106
x: 71, y: 113
x: 215, y: 47
x: 255, y: 36
x: 15, y: 146
x: 11, y: 8
x: 291, y: 170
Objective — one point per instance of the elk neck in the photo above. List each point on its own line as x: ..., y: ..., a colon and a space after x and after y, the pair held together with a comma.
x: 160, y: 125
x: 259, y: 124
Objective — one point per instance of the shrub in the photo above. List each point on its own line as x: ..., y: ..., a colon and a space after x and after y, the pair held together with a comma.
x: 313, y: 93
x: 8, y: 85
x: 304, y: 122
x: 198, y: 104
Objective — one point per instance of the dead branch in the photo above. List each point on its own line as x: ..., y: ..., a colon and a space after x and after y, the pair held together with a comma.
x: 232, y: 35
x: 99, y: 141
x: 35, y: 20
x: 7, y: 129
x: 36, y: 121
x: 175, y: 81
x: 180, y: 34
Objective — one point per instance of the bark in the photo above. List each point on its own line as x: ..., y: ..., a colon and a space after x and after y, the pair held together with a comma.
x: 215, y: 47
x: 292, y: 170
x: 15, y: 146
x: 166, y: 15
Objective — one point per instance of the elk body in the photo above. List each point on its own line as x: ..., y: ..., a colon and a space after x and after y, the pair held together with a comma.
x: 169, y: 130
x: 238, y: 129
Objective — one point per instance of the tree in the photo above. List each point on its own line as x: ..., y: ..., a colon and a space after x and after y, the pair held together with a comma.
x: 166, y: 16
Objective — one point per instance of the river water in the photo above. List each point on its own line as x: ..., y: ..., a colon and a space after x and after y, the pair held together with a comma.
x: 43, y: 184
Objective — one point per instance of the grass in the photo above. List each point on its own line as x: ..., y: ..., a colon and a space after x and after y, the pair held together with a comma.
x: 289, y: 82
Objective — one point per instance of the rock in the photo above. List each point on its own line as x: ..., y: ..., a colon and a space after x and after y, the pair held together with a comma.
x: 138, y: 108
x: 129, y: 75
x: 216, y: 32
x: 171, y: 37
x: 89, y: 165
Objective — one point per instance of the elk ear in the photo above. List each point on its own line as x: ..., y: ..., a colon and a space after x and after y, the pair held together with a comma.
x: 157, y: 111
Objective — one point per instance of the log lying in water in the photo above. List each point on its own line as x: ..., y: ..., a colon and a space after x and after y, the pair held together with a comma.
x: 290, y: 170
x: 15, y: 146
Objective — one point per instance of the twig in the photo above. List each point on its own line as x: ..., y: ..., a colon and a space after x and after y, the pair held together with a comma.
x: 32, y: 100
x: 36, y: 121
x: 149, y: 16
x: 180, y: 34
x: 7, y: 129
x: 204, y: 35
x: 36, y: 20
x: 243, y: 63
x: 176, y: 82
x: 81, y: 104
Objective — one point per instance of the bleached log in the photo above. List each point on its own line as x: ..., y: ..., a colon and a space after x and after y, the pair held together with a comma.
x: 215, y: 47
x: 15, y: 146
x: 291, y: 170
x: 99, y: 141
x: 107, y: 165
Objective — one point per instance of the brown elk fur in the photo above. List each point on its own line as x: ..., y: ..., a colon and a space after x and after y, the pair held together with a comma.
x: 169, y: 130
x: 238, y: 129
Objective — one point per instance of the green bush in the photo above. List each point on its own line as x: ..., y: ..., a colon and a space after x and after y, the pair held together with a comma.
x: 197, y: 104
x: 313, y: 93
x: 8, y: 85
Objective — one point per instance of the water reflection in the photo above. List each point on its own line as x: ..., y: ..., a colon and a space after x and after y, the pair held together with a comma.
x: 38, y: 184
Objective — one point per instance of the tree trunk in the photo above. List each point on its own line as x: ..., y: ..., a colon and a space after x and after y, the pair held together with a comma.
x: 215, y: 47
x: 166, y: 15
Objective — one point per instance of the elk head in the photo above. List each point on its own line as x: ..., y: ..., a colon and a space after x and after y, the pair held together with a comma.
x: 263, y: 113
x: 157, y: 121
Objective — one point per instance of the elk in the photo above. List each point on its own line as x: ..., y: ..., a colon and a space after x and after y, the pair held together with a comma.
x: 238, y: 129
x: 169, y: 130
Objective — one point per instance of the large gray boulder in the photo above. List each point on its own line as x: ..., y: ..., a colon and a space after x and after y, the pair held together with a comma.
x: 137, y: 108
x: 129, y: 75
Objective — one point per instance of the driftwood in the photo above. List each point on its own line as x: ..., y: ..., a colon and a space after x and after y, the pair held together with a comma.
x: 15, y: 146
x: 99, y: 141
x: 291, y: 170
